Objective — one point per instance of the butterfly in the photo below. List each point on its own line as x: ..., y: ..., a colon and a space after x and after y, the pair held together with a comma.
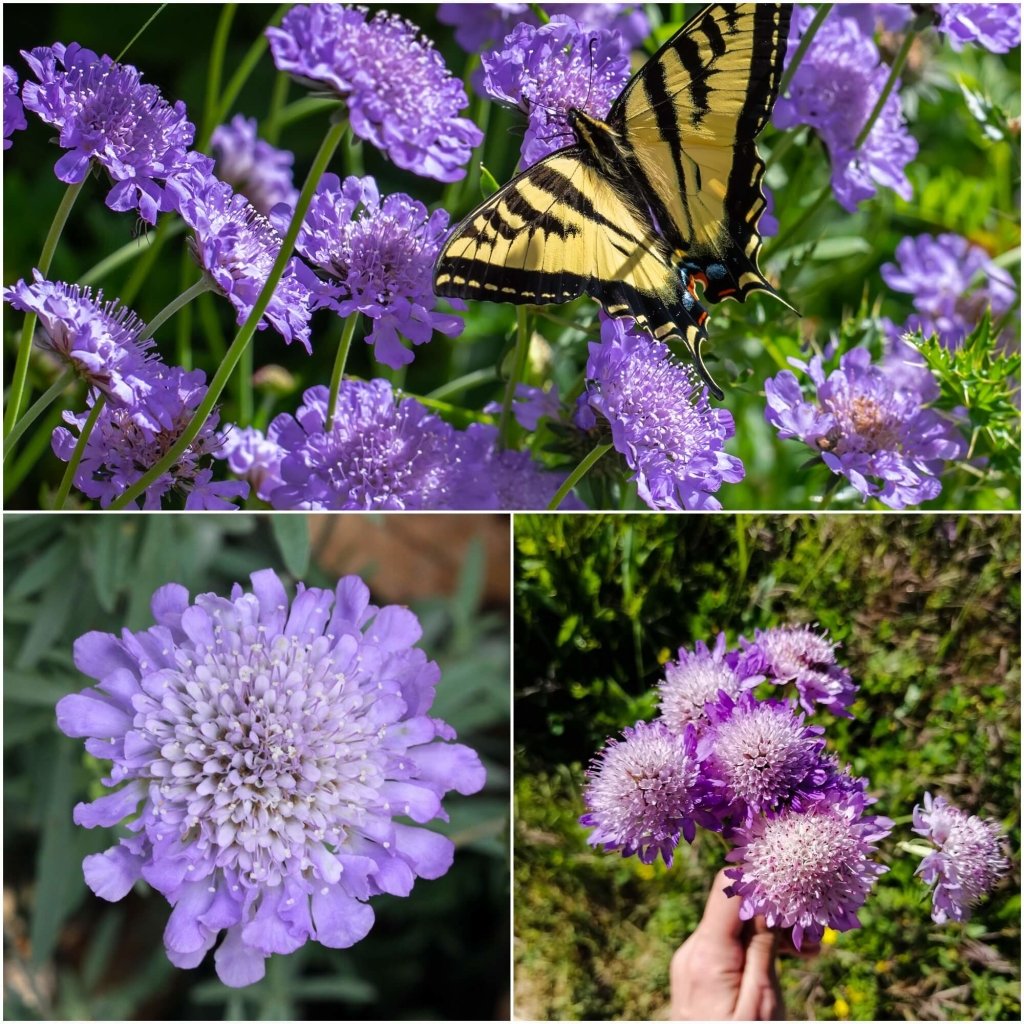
x: 661, y: 196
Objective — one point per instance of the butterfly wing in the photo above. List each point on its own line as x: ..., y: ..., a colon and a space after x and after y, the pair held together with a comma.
x: 560, y: 230
x: 689, y: 119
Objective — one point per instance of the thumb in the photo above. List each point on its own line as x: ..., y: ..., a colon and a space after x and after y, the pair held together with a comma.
x: 760, y: 997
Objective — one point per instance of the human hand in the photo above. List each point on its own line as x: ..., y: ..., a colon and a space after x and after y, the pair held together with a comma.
x: 726, y: 969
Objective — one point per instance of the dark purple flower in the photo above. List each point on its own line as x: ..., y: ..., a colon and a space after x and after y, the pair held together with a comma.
x: 660, y: 419
x: 834, y: 90
x: 647, y: 790
x: 699, y: 676
x: 478, y: 26
x: 107, y: 116
x: 123, y: 446
x: 808, y: 869
x: 376, y: 257
x: 381, y: 453
x: 952, y: 282
x: 236, y: 247
x: 548, y: 70
x: 262, y: 750
x: 399, y: 94
x: 867, y: 426
x: 970, y: 859
x: 996, y: 27
x: 799, y: 655
x: 760, y: 752
x: 260, y: 171
x: 101, y: 341
x: 14, y: 112
x: 253, y: 457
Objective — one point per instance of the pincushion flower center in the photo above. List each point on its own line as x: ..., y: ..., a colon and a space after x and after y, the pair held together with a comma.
x: 799, y: 855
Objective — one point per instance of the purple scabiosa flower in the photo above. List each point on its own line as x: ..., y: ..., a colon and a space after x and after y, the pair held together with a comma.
x: 547, y: 71
x: 996, y: 27
x: 699, y: 676
x: 834, y: 90
x: 399, y: 94
x: 867, y: 426
x: 266, y: 749
x: 799, y: 655
x: 808, y: 869
x: 760, y: 752
x: 647, y: 790
x: 14, y: 112
x: 519, y: 482
x: 481, y: 25
x: 107, y: 116
x: 660, y: 418
x: 970, y: 858
x: 253, y: 457
x: 260, y: 171
x: 380, y: 453
x: 101, y: 341
x: 122, y: 446
x: 236, y: 248
x: 952, y: 283
x: 376, y: 257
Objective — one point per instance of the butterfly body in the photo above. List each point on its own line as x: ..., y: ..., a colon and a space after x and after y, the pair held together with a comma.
x: 662, y: 195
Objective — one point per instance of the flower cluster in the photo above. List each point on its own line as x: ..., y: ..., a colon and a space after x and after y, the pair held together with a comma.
x: 952, y: 282
x: 869, y: 423
x: 375, y: 257
x: 108, y: 117
x: 719, y: 757
x: 382, y: 452
x: 660, y: 419
x: 399, y: 94
x: 265, y: 754
x: 260, y: 171
x: 548, y: 71
x: 969, y: 858
x: 834, y: 90
x: 14, y: 112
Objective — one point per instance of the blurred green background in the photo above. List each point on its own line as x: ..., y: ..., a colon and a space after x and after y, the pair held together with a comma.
x: 927, y: 609
x: 826, y: 262
x: 441, y: 953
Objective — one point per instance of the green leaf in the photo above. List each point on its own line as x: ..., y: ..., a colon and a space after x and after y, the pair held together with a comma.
x: 292, y: 535
x: 488, y: 183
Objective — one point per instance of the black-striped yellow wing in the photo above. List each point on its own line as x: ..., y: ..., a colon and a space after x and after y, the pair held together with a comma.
x: 689, y: 119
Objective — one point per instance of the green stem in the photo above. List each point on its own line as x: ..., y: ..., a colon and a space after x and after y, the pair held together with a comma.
x: 127, y: 252
x: 323, y: 157
x: 215, y: 70
x: 348, y: 329
x: 278, y: 97
x: 301, y: 109
x: 801, y: 222
x: 19, y: 382
x: 38, y: 408
x: 465, y: 382
x: 577, y: 475
x: 805, y: 44
x: 204, y: 284
x: 506, y: 425
x: 890, y: 84
x: 156, y: 14
x: 76, y: 457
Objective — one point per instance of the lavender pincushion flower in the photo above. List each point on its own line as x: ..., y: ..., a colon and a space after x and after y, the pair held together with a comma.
x: 697, y: 677
x: 834, y: 90
x: 799, y: 655
x: 970, y: 858
x: 660, y: 419
x: 546, y: 71
x: 124, y: 444
x: 252, y: 166
x: 14, y: 111
x: 107, y: 116
x: 996, y: 27
x: 647, y: 790
x: 254, y: 457
x: 868, y: 426
x: 376, y: 257
x: 399, y: 94
x: 808, y: 869
x: 236, y: 247
x: 265, y: 751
